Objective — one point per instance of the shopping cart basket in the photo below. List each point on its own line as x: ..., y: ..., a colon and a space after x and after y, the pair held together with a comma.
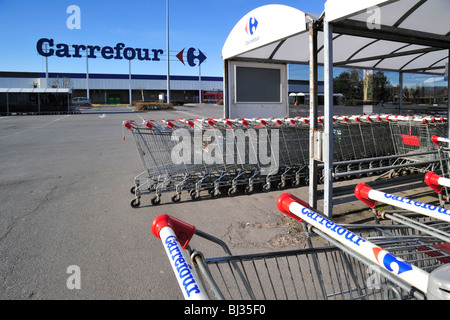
x: 155, y: 144
x: 317, y: 273
x: 412, y: 134
x: 393, y: 143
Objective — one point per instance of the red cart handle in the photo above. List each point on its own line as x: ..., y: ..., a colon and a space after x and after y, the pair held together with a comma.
x: 183, y: 230
x: 148, y: 124
x: 285, y: 200
x: 432, y: 180
x: 362, y: 193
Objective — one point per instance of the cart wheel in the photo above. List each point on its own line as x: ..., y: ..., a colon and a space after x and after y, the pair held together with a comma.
x: 249, y: 190
x: 135, y: 203
x: 214, y: 193
x: 133, y: 190
x: 281, y: 185
x: 156, y: 200
x: 195, y: 195
x: 266, y: 187
x: 176, y: 198
x: 295, y: 183
x: 232, y: 191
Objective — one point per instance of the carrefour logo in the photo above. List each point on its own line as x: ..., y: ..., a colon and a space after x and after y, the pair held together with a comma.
x: 250, y: 29
x: 390, y: 261
x: 47, y: 48
x: 251, y: 26
x: 191, y: 57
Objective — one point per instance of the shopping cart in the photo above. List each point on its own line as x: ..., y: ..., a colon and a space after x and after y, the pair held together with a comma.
x: 412, y: 259
x: 412, y: 135
x: 371, y: 197
x: 293, y: 156
x: 334, y: 272
x: 155, y: 171
x: 155, y: 144
x: 431, y: 224
x: 396, y: 144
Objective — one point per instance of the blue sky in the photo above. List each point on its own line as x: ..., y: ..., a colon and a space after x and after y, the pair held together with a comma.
x: 202, y: 24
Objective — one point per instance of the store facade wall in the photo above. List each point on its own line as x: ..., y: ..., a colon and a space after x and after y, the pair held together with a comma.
x: 114, y: 88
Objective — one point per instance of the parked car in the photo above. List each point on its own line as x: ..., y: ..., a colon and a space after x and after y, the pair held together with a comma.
x: 81, y: 102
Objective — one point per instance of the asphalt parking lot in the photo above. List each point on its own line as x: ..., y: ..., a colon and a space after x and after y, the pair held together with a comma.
x: 65, y: 201
x: 64, y: 194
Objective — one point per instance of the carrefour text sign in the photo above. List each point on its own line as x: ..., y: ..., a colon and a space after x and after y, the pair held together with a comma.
x: 47, y: 48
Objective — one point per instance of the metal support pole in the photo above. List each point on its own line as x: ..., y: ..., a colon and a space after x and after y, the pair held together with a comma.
x: 199, y: 84
x: 313, y: 172
x: 46, y: 67
x: 168, y: 56
x: 328, y: 125
x: 448, y: 97
x: 87, y: 75
x: 400, y: 92
x: 129, y: 82
x: 226, y: 107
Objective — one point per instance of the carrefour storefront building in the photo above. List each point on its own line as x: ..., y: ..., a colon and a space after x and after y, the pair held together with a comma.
x: 107, y: 88
x: 115, y: 88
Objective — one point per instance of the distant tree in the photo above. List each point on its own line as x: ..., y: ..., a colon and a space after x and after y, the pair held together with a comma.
x: 62, y: 83
x: 380, y: 87
x: 349, y: 84
x: 357, y: 83
x: 416, y: 93
x: 341, y: 84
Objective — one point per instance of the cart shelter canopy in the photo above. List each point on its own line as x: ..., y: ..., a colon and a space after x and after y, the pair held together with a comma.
x: 270, y: 32
x: 402, y: 35
x: 394, y: 35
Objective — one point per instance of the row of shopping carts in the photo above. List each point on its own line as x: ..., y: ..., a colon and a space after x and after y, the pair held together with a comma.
x: 404, y: 254
x: 232, y: 156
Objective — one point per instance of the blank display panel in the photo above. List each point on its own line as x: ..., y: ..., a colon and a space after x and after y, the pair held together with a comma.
x: 258, y: 85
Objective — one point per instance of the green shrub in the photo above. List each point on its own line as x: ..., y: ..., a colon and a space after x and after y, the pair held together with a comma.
x: 144, y: 106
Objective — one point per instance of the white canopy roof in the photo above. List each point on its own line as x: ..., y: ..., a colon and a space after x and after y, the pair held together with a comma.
x: 397, y: 35
x: 263, y: 32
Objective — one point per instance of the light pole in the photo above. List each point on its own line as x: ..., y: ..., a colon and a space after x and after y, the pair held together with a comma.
x: 199, y: 83
x: 168, y: 58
